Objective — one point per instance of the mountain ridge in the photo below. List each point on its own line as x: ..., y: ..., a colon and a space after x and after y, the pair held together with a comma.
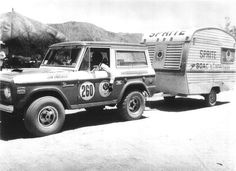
x: 84, y: 31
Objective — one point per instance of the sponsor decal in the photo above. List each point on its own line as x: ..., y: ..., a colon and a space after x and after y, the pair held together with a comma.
x: 227, y: 55
x: 209, y: 67
x: 87, y: 90
x: 57, y: 76
x: 103, y: 89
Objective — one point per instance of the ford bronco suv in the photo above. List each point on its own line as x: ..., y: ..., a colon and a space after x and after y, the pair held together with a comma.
x: 70, y: 77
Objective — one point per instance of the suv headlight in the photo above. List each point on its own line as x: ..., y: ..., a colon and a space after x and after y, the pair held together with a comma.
x: 7, y: 92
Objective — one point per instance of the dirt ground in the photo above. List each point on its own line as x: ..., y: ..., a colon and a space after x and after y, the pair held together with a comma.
x: 181, y: 136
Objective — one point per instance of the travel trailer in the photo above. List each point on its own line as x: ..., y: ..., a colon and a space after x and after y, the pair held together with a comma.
x: 193, y: 62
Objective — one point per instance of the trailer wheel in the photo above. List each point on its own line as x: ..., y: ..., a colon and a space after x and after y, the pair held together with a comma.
x: 44, y: 116
x: 210, y: 99
x: 132, y: 106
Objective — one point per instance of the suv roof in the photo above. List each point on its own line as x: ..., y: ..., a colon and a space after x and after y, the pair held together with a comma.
x: 98, y: 43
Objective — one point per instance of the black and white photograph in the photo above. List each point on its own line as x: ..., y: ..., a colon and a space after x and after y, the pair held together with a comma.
x: 136, y: 85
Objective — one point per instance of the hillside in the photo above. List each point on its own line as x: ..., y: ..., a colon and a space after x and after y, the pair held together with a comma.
x: 90, y: 32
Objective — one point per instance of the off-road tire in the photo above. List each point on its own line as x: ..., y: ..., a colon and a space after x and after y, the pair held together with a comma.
x: 211, y: 98
x: 132, y: 106
x: 45, y: 116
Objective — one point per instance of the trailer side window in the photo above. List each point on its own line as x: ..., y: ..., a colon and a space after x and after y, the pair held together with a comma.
x: 227, y: 55
x: 130, y: 58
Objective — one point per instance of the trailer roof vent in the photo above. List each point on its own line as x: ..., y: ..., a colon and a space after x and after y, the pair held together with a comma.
x: 173, y: 56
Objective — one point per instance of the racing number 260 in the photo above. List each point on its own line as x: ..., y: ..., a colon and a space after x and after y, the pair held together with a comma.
x: 87, y: 90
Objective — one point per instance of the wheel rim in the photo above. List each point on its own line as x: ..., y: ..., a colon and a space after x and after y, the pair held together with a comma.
x: 134, y: 104
x: 212, y: 98
x: 48, y: 116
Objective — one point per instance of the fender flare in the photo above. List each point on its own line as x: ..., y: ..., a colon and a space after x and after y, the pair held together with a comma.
x: 40, y: 90
x: 130, y: 84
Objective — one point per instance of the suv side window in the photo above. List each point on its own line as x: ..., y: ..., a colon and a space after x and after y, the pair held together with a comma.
x: 94, y: 57
x: 130, y: 58
x: 99, y: 56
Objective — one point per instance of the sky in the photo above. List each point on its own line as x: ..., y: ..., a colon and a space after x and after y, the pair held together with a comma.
x: 133, y: 16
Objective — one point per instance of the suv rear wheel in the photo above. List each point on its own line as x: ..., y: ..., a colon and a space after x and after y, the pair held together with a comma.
x: 44, y: 116
x: 132, y: 106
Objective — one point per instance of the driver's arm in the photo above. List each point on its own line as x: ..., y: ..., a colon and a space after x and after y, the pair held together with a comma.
x: 105, y: 68
x: 108, y: 70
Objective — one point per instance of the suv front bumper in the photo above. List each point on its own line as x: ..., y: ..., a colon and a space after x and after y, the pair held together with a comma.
x: 6, y: 108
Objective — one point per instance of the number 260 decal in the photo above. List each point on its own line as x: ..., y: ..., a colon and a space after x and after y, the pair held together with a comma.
x: 87, y: 90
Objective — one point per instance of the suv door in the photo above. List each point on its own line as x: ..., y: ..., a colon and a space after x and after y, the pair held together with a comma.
x: 93, y: 84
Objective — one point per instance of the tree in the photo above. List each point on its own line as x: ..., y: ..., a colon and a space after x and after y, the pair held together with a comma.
x: 229, y: 28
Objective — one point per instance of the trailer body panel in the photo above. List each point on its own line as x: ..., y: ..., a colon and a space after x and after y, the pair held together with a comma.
x: 193, y: 61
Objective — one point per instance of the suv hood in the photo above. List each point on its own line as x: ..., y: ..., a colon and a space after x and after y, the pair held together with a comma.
x: 32, y: 75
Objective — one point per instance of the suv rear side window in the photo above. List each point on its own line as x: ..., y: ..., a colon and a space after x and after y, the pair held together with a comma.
x: 130, y: 58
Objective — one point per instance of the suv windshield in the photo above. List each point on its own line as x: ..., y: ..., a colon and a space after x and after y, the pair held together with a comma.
x: 62, y: 57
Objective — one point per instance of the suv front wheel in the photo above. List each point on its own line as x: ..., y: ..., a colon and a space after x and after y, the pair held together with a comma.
x: 132, y: 106
x: 44, y: 116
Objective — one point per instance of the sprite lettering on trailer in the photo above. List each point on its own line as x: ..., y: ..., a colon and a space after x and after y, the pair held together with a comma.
x: 176, y: 33
x: 207, y: 54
